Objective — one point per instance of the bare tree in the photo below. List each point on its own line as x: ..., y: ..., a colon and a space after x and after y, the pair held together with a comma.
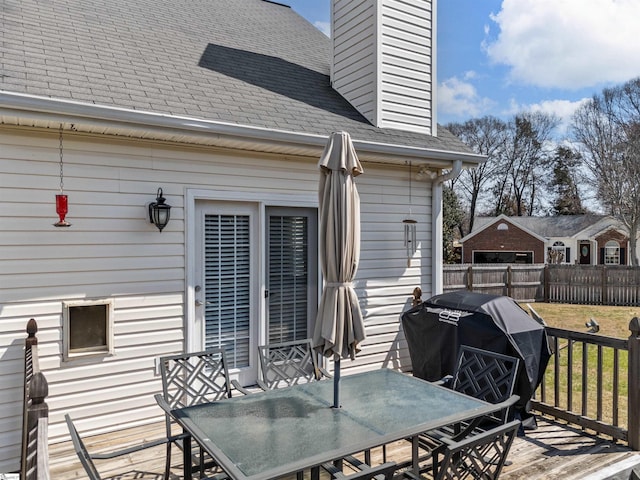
x: 608, y: 129
x: 523, y: 160
x: 485, y: 136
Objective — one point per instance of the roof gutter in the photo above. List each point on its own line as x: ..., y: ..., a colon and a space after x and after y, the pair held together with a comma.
x: 436, y: 218
x: 31, y: 110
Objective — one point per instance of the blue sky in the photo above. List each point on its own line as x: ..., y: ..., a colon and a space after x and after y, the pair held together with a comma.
x: 500, y: 57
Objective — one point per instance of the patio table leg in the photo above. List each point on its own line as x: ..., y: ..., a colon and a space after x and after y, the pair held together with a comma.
x: 415, y: 452
x: 315, y: 473
x: 186, y: 456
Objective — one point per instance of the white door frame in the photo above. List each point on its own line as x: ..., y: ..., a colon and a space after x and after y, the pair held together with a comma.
x: 263, y: 200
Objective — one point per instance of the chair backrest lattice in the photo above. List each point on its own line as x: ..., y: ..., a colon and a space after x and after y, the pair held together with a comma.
x: 485, y: 375
x: 288, y: 363
x: 480, y: 456
x: 195, y: 378
x: 81, y: 451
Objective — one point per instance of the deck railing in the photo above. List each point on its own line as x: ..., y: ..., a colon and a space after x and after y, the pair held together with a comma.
x: 594, y: 381
x: 35, y: 451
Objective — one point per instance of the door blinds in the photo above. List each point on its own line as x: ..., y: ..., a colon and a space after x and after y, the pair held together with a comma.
x: 227, y: 269
x: 288, y: 278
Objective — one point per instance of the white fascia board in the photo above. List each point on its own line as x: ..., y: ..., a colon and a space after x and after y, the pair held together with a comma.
x: 22, y: 109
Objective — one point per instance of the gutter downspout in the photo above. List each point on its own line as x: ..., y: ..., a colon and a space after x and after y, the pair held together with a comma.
x: 436, y: 227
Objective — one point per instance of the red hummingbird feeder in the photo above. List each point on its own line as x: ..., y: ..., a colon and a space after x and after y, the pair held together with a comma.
x: 62, y: 208
x: 62, y: 201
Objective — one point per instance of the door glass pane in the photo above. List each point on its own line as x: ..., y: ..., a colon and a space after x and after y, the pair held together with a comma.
x: 288, y: 278
x: 227, y: 286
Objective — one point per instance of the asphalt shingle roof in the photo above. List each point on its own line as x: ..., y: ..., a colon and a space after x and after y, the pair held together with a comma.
x: 247, y: 62
x: 559, y: 226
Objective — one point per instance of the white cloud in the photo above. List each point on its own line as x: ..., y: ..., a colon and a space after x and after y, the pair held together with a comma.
x: 563, y: 109
x: 459, y: 99
x: 567, y: 43
x: 324, y: 27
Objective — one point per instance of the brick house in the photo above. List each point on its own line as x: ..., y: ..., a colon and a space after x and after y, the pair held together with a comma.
x: 567, y: 239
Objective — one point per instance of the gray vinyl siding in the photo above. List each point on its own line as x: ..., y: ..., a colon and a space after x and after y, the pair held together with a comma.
x: 111, y: 251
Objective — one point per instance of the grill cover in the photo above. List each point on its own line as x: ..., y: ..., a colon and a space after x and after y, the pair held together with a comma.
x: 435, y: 329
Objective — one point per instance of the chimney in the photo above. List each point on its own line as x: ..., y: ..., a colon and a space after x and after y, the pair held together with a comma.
x: 384, y: 61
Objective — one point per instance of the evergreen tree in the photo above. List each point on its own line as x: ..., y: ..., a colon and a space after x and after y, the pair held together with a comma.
x: 563, y: 185
x: 452, y: 218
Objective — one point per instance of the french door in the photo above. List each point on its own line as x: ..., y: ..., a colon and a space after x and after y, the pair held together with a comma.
x: 226, y: 293
x: 292, y: 273
x: 256, y: 279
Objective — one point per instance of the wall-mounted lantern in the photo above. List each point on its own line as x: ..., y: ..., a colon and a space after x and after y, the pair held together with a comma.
x: 159, y: 211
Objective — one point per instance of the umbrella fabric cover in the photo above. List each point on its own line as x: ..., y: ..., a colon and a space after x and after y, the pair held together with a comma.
x: 436, y: 328
x: 339, y: 327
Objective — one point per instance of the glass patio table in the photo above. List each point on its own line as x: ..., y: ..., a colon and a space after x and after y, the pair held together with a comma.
x: 270, y: 434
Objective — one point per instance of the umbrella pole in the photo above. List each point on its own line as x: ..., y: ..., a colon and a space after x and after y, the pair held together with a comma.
x: 336, y: 383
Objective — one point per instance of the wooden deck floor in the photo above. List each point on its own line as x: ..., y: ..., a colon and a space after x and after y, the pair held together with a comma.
x: 554, y: 451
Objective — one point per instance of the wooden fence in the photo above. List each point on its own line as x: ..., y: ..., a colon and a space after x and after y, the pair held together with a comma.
x: 576, y: 284
x: 521, y: 282
x: 594, y: 381
x: 593, y: 284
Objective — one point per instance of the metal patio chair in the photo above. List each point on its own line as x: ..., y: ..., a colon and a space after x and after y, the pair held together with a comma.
x: 485, y: 375
x: 192, y: 379
x: 284, y: 364
x: 479, y: 457
x: 86, y: 459
x: 481, y: 374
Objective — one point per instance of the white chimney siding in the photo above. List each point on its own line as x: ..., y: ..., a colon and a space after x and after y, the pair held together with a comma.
x: 383, y: 58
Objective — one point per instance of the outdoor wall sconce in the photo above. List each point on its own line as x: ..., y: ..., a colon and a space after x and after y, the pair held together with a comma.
x: 159, y: 211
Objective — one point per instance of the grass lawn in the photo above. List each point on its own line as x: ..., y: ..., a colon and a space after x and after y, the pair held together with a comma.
x: 614, y: 322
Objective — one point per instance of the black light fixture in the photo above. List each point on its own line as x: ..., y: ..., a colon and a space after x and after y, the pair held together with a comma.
x: 159, y: 211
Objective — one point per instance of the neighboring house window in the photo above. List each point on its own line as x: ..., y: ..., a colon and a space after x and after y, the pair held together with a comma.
x: 612, y: 253
x: 88, y: 328
x: 503, y: 226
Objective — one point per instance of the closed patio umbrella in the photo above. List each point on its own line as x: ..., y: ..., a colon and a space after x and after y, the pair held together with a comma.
x: 339, y: 326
